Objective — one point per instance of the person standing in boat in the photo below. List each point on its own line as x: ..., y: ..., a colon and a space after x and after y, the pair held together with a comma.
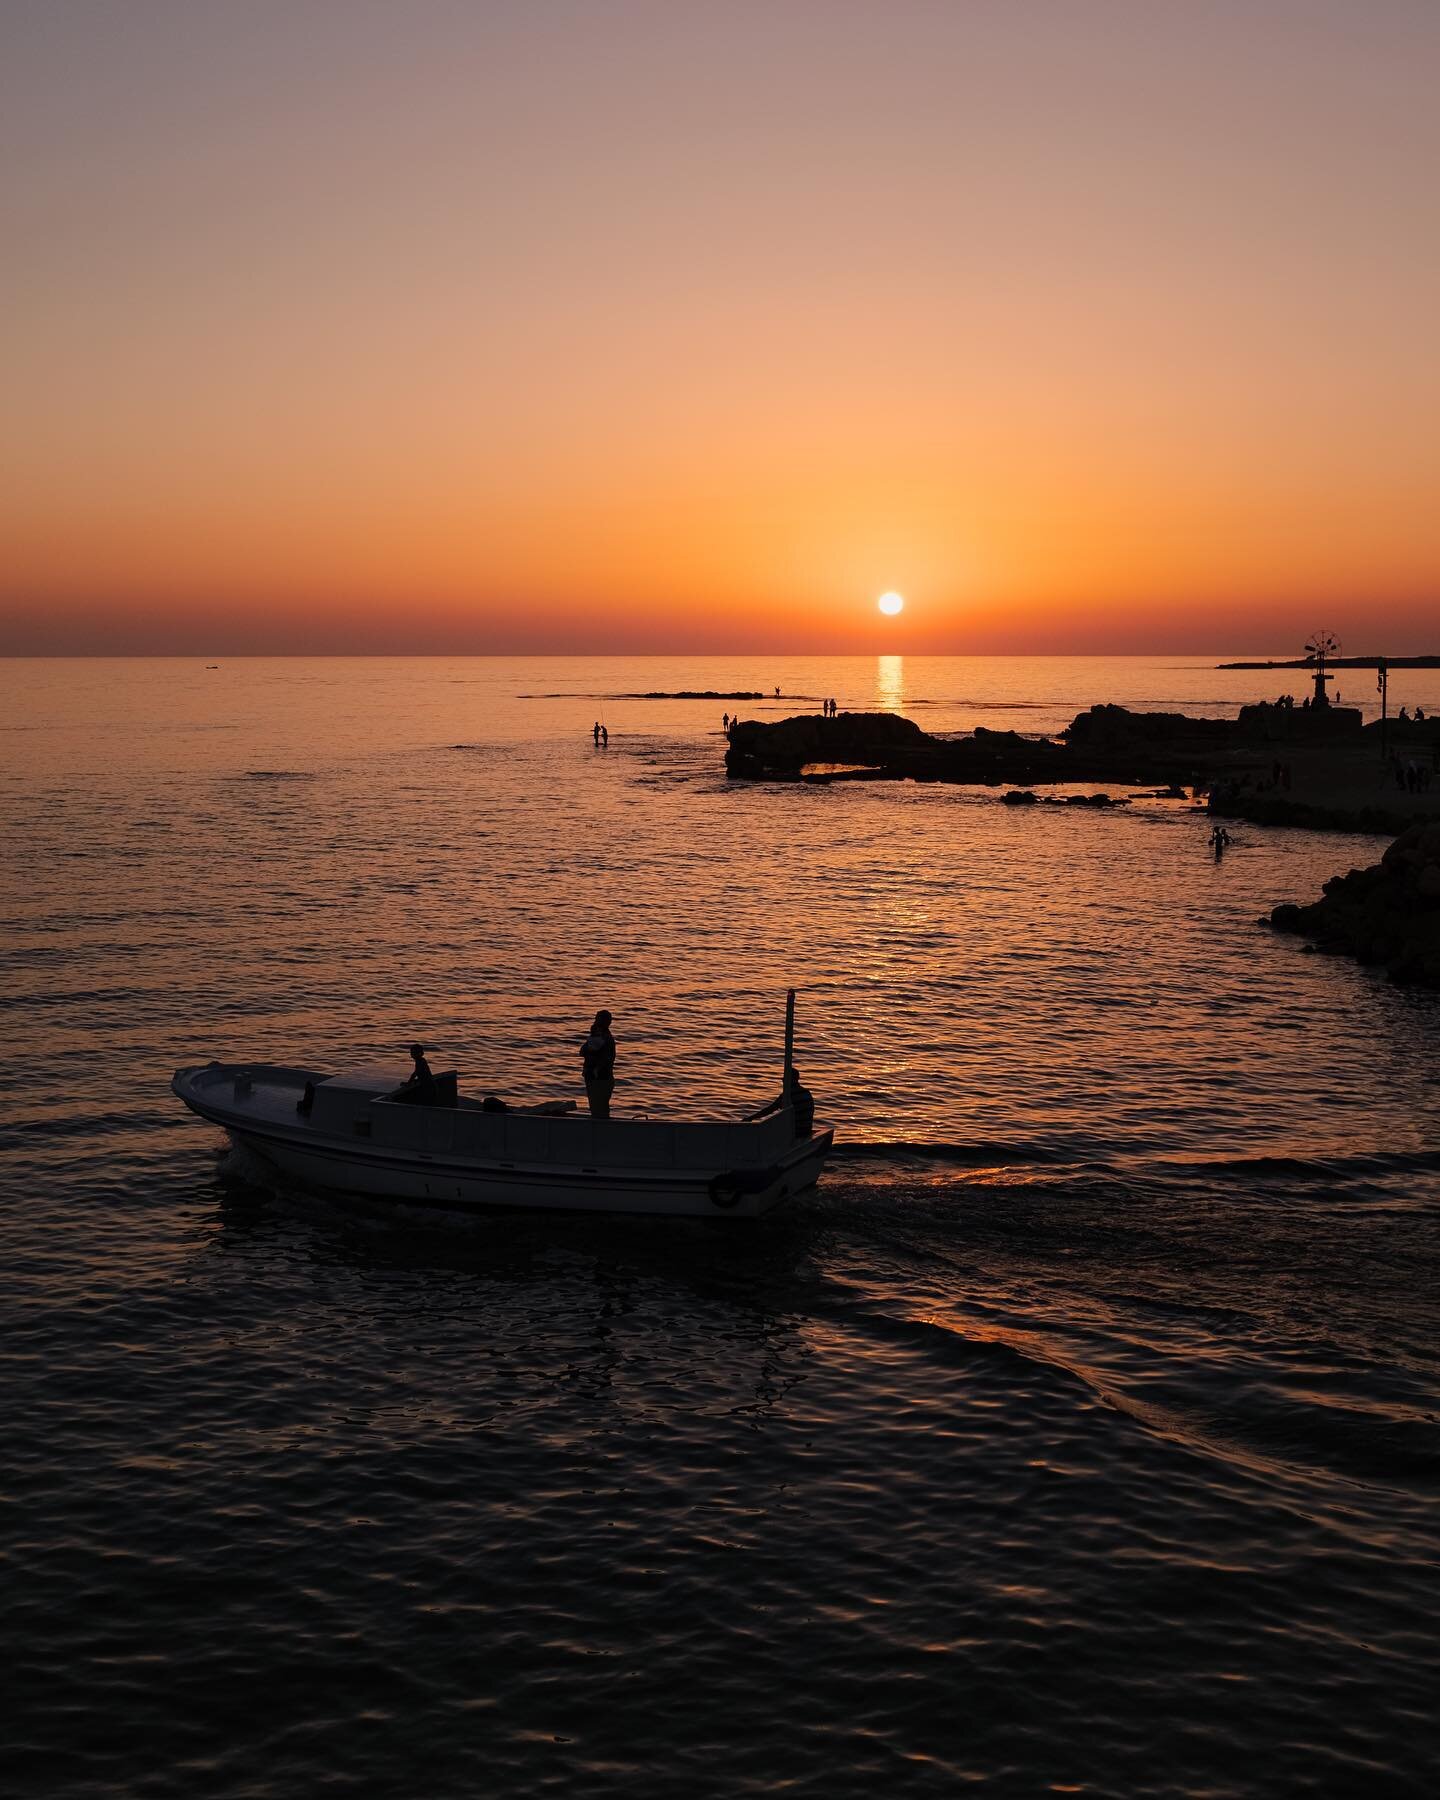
x: 597, y: 1056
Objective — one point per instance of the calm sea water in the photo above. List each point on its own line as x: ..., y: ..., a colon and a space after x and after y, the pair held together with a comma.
x: 1078, y: 1435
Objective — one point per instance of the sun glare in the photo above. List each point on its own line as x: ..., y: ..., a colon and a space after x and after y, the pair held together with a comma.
x: 891, y: 603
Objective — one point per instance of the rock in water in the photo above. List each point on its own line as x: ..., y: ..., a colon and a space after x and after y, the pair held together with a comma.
x: 1388, y: 914
x: 758, y: 749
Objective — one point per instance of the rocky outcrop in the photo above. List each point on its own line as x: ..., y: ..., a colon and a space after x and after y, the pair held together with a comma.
x: 1105, y: 744
x: 759, y: 750
x: 1117, y: 729
x: 1388, y: 914
x: 1279, y: 809
x: 1267, y: 723
x: 887, y: 747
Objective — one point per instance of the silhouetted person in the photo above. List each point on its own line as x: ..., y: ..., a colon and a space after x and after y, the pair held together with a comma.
x: 1220, y: 838
x: 596, y: 733
x: 802, y: 1103
x: 597, y: 1063
x: 604, y: 737
x: 420, y: 1081
x: 777, y: 693
x: 725, y: 723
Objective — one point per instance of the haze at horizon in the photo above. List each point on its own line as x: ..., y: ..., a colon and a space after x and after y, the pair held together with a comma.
x: 1088, y: 328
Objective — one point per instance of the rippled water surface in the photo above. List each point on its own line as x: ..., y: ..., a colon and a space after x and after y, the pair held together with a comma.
x: 1078, y: 1434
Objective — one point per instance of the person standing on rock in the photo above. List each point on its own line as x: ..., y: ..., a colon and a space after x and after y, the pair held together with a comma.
x: 597, y: 1062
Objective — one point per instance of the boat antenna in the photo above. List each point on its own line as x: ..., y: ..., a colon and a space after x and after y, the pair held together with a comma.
x: 789, y: 1040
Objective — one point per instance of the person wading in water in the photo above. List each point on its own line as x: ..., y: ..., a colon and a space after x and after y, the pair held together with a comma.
x: 597, y: 1055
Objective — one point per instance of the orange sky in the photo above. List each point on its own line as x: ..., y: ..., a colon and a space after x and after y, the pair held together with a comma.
x: 375, y: 327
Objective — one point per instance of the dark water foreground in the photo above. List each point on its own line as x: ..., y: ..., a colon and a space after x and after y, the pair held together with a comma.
x: 1080, y: 1434
x: 944, y: 1479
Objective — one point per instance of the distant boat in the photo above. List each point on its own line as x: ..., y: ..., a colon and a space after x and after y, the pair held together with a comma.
x: 362, y: 1133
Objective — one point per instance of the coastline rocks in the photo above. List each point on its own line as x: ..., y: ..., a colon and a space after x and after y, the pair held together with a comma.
x: 812, y: 738
x: 1265, y: 722
x: 758, y: 750
x: 1105, y: 744
x: 1386, y: 915
x: 1116, y: 727
x: 1024, y: 797
x: 985, y: 739
x: 1276, y: 809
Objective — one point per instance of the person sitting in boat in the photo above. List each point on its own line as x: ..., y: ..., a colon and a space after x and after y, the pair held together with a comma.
x: 421, y: 1080
x: 597, y: 1056
x: 802, y: 1103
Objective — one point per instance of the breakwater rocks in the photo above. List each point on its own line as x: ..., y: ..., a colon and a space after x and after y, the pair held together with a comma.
x: 1387, y: 915
x: 1023, y: 797
x: 1240, y: 761
x: 1278, y: 809
x: 1105, y: 743
x: 780, y: 751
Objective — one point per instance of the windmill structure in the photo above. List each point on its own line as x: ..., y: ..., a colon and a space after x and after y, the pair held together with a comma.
x: 1320, y: 648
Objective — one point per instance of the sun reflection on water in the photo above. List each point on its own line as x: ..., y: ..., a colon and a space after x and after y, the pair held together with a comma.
x: 890, y: 683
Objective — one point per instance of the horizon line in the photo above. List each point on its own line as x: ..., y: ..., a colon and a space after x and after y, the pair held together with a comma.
x: 101, y: 655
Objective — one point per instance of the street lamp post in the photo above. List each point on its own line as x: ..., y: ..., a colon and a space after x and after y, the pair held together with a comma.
x: 1383, y: 683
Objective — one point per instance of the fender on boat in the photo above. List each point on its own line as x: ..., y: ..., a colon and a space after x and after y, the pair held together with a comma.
x: 731, y: 1187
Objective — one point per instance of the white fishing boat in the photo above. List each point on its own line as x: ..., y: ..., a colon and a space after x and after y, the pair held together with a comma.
x: 362, y: 1132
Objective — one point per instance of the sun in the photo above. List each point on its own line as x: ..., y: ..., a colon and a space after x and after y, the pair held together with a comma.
x: 891, y: 603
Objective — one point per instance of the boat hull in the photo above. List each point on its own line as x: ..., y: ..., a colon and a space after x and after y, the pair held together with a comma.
x: 456, y: 1188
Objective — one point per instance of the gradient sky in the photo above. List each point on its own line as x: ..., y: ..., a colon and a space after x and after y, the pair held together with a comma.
x: 1089, y: 324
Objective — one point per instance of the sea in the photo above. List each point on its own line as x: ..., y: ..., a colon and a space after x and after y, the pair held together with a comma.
x: 1077, y: 1435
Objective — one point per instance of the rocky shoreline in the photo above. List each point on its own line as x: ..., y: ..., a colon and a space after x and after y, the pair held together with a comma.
x: 1387, y: 915
x: 1246, y: 764
x: 1104, y: 744
x: 1276, y: 809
